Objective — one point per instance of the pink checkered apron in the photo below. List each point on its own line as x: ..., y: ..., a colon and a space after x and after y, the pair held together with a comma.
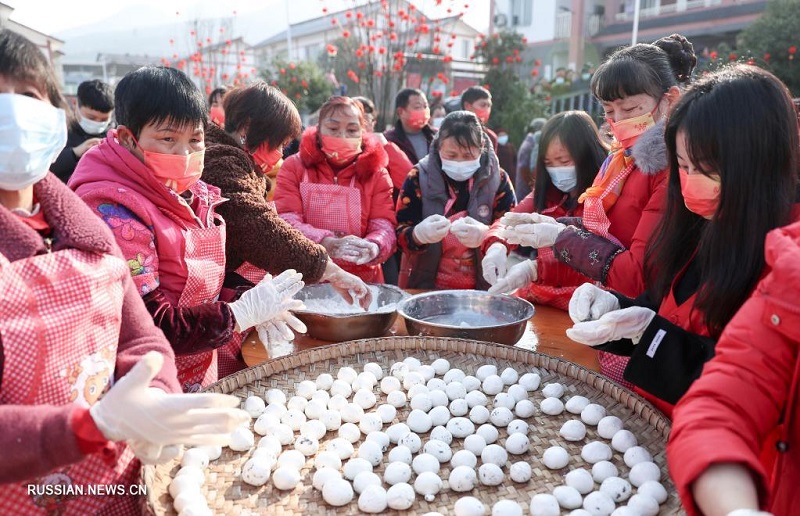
x: 60, y: 322
x: 204, y: 255
x: 337, y: 208
x: 596, y: 220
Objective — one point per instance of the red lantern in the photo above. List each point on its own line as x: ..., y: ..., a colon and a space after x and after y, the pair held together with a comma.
x: 208, y: 90
x: 495, y: 60
x: 410, y: 43
x: 767, y: 57
x: 370, y: 23
x: 345, y: 34
x: 359, y: 15
x: 732, y: 57
x: 419, y: 55
x: 534, y: 72
x: 792, y: 50
x: 283, y: 71
x: 381, y: 50
x: 334, y: 21
x: 537, y: 62
x: 348, y: 14
x: 304, y: 83
x: 447, y: 59
x: 292, y: 66
x: 509, y: 59
x: 393, y: 36
x: 713, y: 55
x: 359, y: 53
x: 518, y: 59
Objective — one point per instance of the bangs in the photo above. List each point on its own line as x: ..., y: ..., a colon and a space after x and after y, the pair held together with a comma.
x: 624, y: 77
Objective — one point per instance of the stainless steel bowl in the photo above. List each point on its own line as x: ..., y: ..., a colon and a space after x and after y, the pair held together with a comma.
x: 339, y: 327
x: 469, y: 314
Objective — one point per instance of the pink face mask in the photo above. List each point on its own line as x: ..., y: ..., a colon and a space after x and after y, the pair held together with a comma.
x: 177, y: 171
x: 266, y: 158
x: 483, y: 114
x: 340, y: 151
x: 700, y: 193
x: 628, y: 131
x: 418, y: 118
x: 217, y: 115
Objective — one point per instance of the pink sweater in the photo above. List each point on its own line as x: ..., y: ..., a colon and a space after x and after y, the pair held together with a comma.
x: 37, y: 439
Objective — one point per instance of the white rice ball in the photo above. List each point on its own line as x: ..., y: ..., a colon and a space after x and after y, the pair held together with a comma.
x: 501, y: 416
x: 293, y: 418
x: 352, y: 413
x: 438, y: 449
x: 636, y: 455
x: 618, y: 489
x: 598, y: 504
x: 390, y: 384
x: 411, y: 441
x: 242, y: 439
x: 337, y: 492
x: 654, y: 490
x: 323, y: 382
x: 400, y: 454
x: 603, y: 470
x: 462, y: 479
x: 322, y: 475
x: 471, y: 383
x: 568, y: 497
x: 520, y: 472
x: 254, y: 405
x: 552, y: 406
x: 313, y: 428
x: 608, y: 426
x: 386, y: 412
x: 297, y: 403
x: 328, y: 459
x: 509, y: 376
x: 455, y: 391
x: 460, y: 427
x: 400, y: 496
x: 321, y: 396
x: 439, y: 415
x: 644, y: 472
x: 347, y: 374
x: 305, y: 389
x: 506, y: 508
x: 440, y: 433
x: 573, y: 430
x: 553, y: 390
x: 492, y: 385
x: 355, y: 466
x: 396, y: 473
x: 480, y: 414
x: 469, y: 506
x: 576, y: 404
x: 428, y: 485
x: 643, y: 505
x: 365, y: 399
x: 439, y: 398
x: 195, y: 457
x: 441, y: 366
x: 454, y: 375
x: 530, y: 381
x: 337, y: 402
x: 623, y: 440
x: 518, y: 426
x: 371, y: 422
x: 495, y: 454
x: 375, y: 369
x: 419, y: 421
x: 315, y: 409
x: 581, y: 480
x: 545, y: 505
x: 422, y: 402
x: 459, y: 408
x: 413, y: 363
x: 488, y: 432
x: 464, y: 458
x: 596, y: 451
x: 504, y: 399
x: 427, y: 372
x: 308, y: 446
x: 476, y: 398
x: 275, y: 397
x: 396, y: 431
x: 341, y: 447
x: 593, y: 413
x: 285, y: 478
x: 413, y: 378
x: 555, y: 457
x: 474, y: 444
x: 425, y: 462
x: 350, y: 432
x: 524, y: 408
x: 292, y: 459
x: 256, y: 472
x: 365, y: 479
x: 490, y: 474
x: 517, y: 444
x: 485, y: 371
x: 331, y: 419
x: 371, y: 451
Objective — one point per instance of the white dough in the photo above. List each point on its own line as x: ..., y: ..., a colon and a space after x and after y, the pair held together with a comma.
x: 494, y: 454
x: 623, y: 441
x: 440, y: 415
x: 413, y: 378
x: 476, y: 398
x: 644, y: 472
x: 254, y: 405
x: 624, y: 510
x: 242, y: 439
x: 506, y: 508
x: 425, y: 462
x: 411, y: 441
x: 365, y: 479
x: 265, y: 455
x: 292, y: 459
x: 306, y: 445
x: 293, y: 418
x: 520, y: 472
x: 400, y: 496
x: 375, y: 369
x: 464, y: 458
x: 381, y: 438
x: 474, y: 444
x: 609, y: 426
x: 518, y: 426
x: 603, y: 470
x: 643, y: 505
x: 471, y: 383
x: 504, y: 399
x: 636, y: 455
x: 347, y: 374
x: 436, y: 384
x: 313, y: 428
x: 441, y: 433
x: 400, y: 454
x: 390, y: 384
x: 517, y: 444
x: 439, y: 398
x: 337, y: 402
x: 397, y: 399
x: 365, y: 399
x: 553, y: 390
x: 352, y: 413
x: 399, y: 370
x: 422, y: 402
x: 322, y: 397
x: 469, y: 506
x: 331, y: 419
x: 373, y: 500
x: 518, y: 392
x: 455, y: 391
x: 480, y: 414
x: 192, y: 472
x: 315, y: 409
x: 654, y: 490
x: 459, y: 407
x: 282, y: 432
x: 337, y: 492
x: 555, y: 457
x: 490, y: 474
x: 552, y: 406
x: 573, y: 430
x: 599, y: 504
x: 256, y: 472
x: 355, y: 466
x: 306, y: 389
x: 371, y: 422
x: 618, y: 489
x: 350, y: 432
x: 297, y: 403
x: 530, y: 381
x: 576, y: 404
x: 323, y: 382
x: 213, y: 451
x: 274, y: 410
x: 568, y: 497
x: 524, y: 408
x: 460, y: 427
x: 441, y: 366
x: 367, y: 379
x: 322, y: 475
x: 285, y: 478
x: 544, y: 505
x: 509, y: 376
x: 462, y: 479
x: 593, y: 413
x: 183, y: 484
x: 438, y: 449
x: 275, y: 396
x: 488, y: 432
x: 596, y: 451
x: 428, y: 485
x: 501, y: 416
x: 386, y: 412
x: 492, y: 385
x: 396, y: 431
x: 184, y: 500
x: 371, y: 451
x: 581, y: 480
x: 341, y: 447
x: 328, y: 459
x: 413, y: 363
x: 419, y: 421
x: 454, y: 375
x: 396, y: 473
x: 195, y: 457
x: 485, y: 371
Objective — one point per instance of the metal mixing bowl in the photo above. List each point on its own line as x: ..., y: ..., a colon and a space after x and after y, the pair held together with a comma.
x: 349, y: 326
x: 469, y: 314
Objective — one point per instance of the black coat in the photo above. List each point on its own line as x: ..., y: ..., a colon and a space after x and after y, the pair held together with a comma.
x: 65, y: 163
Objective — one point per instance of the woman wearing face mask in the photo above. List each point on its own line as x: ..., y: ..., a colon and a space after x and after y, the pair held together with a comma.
x: 570, y: 151
x: 84, y: 373
x: 446, y: 206
x: 239, y: 160
x: 636, y: 87
x: 337, y: 191
x: 143, y: 180
x: 701, y: 265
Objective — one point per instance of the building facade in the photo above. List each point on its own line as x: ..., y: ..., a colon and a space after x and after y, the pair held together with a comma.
x: 51, y: 47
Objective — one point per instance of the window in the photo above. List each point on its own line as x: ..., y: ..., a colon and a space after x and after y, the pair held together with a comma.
x: 521, y: 12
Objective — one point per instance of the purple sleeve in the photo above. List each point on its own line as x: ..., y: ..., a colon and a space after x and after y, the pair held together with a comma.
x: 586, y: 252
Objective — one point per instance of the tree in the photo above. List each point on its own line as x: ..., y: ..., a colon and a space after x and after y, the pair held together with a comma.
x: 302, y: 82
x: 774, y: 38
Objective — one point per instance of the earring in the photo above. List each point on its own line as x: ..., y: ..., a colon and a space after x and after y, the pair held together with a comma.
x: 242, y: 139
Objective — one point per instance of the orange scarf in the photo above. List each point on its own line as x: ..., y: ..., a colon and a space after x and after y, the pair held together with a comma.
x: 608, y: 183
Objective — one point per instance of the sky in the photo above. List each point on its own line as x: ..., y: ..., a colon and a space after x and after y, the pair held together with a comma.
x: 56, y: 16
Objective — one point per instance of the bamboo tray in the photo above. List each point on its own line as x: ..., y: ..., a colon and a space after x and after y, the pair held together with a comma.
x: 227, y: 494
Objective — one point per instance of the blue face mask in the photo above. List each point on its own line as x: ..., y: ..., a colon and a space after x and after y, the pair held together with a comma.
x: 563, y: 178
x: 502, y: 139
x: 460, y: 170
x: 32, y: 133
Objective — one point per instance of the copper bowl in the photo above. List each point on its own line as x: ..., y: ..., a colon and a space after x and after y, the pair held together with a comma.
x: 467, y: 314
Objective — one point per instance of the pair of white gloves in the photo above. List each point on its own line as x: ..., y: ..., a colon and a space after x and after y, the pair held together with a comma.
x: 434, y: 228
x: 349, y: 286
x: 599, y: 319
x: 268, y: 305
x: 156, y: 424
x: 351, y: 248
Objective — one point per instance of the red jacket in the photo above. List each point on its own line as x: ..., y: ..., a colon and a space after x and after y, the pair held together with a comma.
x: 743, y: 409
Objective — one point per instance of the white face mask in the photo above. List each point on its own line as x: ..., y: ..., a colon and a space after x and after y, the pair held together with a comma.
x: 563, y: 178
x: 32, y: 133
x: 93, y: 127
x: 437, y: 121
x: 460, y: 170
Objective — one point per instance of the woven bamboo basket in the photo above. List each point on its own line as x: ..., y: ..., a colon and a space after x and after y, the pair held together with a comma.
x: 227, y: 494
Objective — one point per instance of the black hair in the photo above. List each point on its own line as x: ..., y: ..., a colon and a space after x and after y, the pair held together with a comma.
x: 633, y: 70
x: 464, y: 127
x: 267, y: 115
x: 755, y: 150
x: 221, y: 91
x: 473, y: 94
x: 367, y: 104
x: 404, y: 96
x: 97, y: 95
x: 156, y: 94
x: 577, y: 132
x: 680, y: 53
x: 21, y: 59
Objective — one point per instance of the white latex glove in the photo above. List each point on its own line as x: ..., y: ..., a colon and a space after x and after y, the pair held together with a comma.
x: 589, y: 303
x: 469, y: 231
x: 431, y: 230
x: 367, y: 250
x: 541, y: 231
x: 351, y: 249
x: 349, y: 286
x: 133, y: 411
x: 512, y: 218
x: 149, y: 453
x: 627, y: 323
x: 280, y: 329
x: 266, y: 300
x: 494, y: 263
x: 518, y: 276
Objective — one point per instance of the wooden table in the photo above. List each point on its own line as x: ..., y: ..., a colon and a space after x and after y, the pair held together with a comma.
x: 544, y: 333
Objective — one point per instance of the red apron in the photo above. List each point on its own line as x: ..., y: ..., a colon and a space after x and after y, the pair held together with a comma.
x: 204, y: 255
x: 457, y: 264
x: 338, y: 209
x: 60, y: 323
